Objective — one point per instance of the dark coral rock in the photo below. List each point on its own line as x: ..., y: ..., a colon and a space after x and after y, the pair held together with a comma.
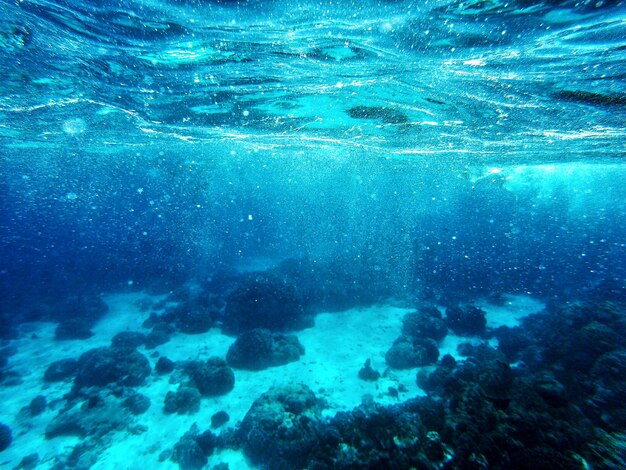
x: 613, y: 290
x: 5, y: 354
x: 573, y: 336
x: 6, y: 436
x: 551, y: 390
x: 164, y: 365
x: 95, y: 417
x: 401, y: 354
x: 433, y: 447
x: 89, y: 308
x: 128, y: 340
x: 447, y: 361
x: 481, y: 352
x: 379, y: 437
x: 191, y: 318
x: 136, y: 403
x: 29, y: 462
x: 541, y: 412
x: 152, y: 320
x: 102, y: 366
x: 431, y: 412
x: 432, y: 379
x: 188, y: 453
x: 61, y: 370
x: 83, y: 455
x: 10, y: 378
x: 468, y: 320
x: 407, y: 353
x: 426, y: 323
x: 545, y: 458
x: 588, y: 344
x: 610, y: 369
x: 212, y: 377
x: 609, y: 394
x: 512, y: 341
x: 73, y: 328
x: 367, y: 373
x: 336, y: 284
x: 37, y: 405
x: 577, y: 315
x: 494, y: 421
x: 219, y: 419
x: 265, y: 301
x: 185, y: 400
x: 207, y: 442
x: 382, y: 113
x: 496, y: 381
x: 259, y: 349
x: 279, y: 426
x: 159, y: 335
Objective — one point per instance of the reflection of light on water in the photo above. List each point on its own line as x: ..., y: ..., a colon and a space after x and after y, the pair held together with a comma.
x: 74, y: 126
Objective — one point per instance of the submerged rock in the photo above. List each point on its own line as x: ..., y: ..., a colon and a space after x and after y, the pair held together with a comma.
x: 29, y: 462
x: 95, y: 417
x: 136, y: 403
x: 73, y: 329
x: 103, y: 366
x: 190, y: 318
x: 219, y: 419
x: 128, y: 340
x: 407, y: 353
x: 367, y: 373
x: 212, y: 377
x: 279, y: 426
x: 426, y: 323
x: 191, y: 451
x: 37, y: 405
x: 61, y: 370
x: 468, y: 320
x: 159, y: 335
x: 259, y: 349
x: 164, y: 365
x: 185, y: 400
x: 265, y: 301
x: 6, y: 436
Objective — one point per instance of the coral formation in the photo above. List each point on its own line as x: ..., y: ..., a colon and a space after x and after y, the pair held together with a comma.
x: 259, y: 349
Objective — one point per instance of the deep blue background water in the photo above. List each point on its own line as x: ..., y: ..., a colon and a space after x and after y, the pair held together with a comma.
x: 441, y: 149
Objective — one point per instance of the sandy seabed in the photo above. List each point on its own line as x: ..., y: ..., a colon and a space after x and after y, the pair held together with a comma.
x: 336, y: 348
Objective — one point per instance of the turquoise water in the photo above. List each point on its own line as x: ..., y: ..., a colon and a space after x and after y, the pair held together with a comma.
x: 373, y: 153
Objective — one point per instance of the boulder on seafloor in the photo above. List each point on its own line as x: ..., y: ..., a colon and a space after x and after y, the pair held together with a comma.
x: 260, y: 349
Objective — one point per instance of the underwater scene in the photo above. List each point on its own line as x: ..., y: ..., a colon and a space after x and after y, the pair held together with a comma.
x: 268, y: 234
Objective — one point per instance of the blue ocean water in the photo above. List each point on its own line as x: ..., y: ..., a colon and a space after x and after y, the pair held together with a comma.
x: 251, y: 165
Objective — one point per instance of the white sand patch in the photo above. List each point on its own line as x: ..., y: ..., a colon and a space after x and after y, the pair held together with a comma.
x: 451, y: 342
x: 511, y: 312
x: 336, y: 348
x: 125, y: 314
